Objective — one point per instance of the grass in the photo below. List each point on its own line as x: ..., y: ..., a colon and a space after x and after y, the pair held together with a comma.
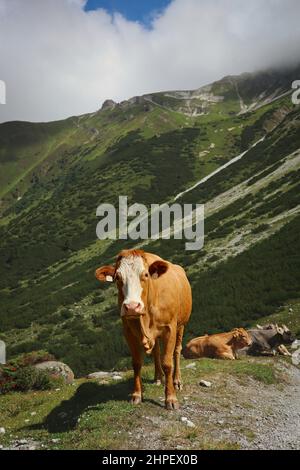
x: 97, y: 415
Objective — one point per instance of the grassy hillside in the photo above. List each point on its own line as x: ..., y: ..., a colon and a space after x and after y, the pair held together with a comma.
x: 151, y: 149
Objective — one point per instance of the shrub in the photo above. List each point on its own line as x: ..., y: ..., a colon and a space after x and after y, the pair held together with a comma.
x: 21, y: 375
x: 260, y: 228
x: 25, y: 378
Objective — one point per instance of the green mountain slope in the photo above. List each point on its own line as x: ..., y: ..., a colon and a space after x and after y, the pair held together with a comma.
x: 154, y: 149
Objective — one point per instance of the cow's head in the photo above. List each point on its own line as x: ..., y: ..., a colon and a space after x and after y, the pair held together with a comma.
x: 133, y: 276
x: 191, y: 350
x: 285, y: 335
x: 240, y: 338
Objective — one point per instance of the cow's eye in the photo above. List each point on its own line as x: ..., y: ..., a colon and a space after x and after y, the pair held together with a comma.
x: 146, y: 275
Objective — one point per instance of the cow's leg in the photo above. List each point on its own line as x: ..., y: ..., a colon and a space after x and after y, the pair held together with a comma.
x: 137, y: 362
x: 225, y: 354
x: 169, y: 340
x: 177, y: 352
x: 282, y: 350
x: 159, y: 373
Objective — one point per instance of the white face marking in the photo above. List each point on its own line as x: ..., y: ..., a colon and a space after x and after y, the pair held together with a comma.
x: 130, y: 269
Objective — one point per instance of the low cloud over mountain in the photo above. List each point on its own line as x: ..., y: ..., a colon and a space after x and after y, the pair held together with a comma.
x: 59, y: 60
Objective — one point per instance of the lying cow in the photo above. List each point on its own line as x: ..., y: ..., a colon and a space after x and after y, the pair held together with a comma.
x: 269, y: 338
x: 220, y: 346
x: 155, y: 301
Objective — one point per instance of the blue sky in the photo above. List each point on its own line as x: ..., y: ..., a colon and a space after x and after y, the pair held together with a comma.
x: 134, y: 10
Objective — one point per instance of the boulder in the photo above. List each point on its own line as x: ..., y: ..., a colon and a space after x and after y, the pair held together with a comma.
x: 57, y: 369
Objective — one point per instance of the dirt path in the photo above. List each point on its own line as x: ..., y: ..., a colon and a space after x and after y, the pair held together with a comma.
x: 278, y: 417
x: 234, y: 412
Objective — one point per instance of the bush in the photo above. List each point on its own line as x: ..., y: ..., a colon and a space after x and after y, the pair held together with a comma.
x: 25, y: 378
x: 260, y: 228
x: 21, y: 375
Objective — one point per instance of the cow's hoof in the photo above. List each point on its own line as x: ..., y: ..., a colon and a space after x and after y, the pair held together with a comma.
x: 172, y: 404
x: 136, y: 399
x: 178, y: 386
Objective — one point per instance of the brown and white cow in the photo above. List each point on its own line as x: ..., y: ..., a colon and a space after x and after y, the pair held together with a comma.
x: 155, y: 301
x: 220, y: 345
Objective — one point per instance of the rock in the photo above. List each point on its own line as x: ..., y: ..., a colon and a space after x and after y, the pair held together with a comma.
x: 290, y: 310
x: 21, y: 442
x: 296, y: 357
x: 57, y: 369
x: 107, y: 375
x: 295, y: 344
x: 205, y: 383
x: 108, y: 104
x: 2, y: 430
x: 98, y: 375
x: 190, y: 424
x: 187, y: 422
x: 33, y: 413
x: 191, y: 365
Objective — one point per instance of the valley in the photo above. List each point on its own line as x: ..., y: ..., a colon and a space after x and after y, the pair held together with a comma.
x: 233, y: 146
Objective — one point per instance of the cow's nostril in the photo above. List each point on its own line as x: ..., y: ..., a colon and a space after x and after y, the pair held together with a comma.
x: 132, y: 306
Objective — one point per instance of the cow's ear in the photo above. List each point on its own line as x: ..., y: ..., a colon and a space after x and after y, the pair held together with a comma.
x: 105, y: 274
x: 158, y: 268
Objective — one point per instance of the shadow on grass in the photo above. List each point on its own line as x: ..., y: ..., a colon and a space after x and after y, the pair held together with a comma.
x: 89, y: 395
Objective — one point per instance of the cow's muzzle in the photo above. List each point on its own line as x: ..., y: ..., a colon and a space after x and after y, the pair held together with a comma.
x: 132, y: 309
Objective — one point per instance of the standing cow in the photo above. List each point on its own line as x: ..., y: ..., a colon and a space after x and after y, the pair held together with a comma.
x: 155, y: 301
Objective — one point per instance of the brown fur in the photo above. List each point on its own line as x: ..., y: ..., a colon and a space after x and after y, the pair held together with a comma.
x: 168, y: 302
x: 221, y: 345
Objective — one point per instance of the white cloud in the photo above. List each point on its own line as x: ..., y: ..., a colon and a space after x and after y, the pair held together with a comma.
x: 58, y: 60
